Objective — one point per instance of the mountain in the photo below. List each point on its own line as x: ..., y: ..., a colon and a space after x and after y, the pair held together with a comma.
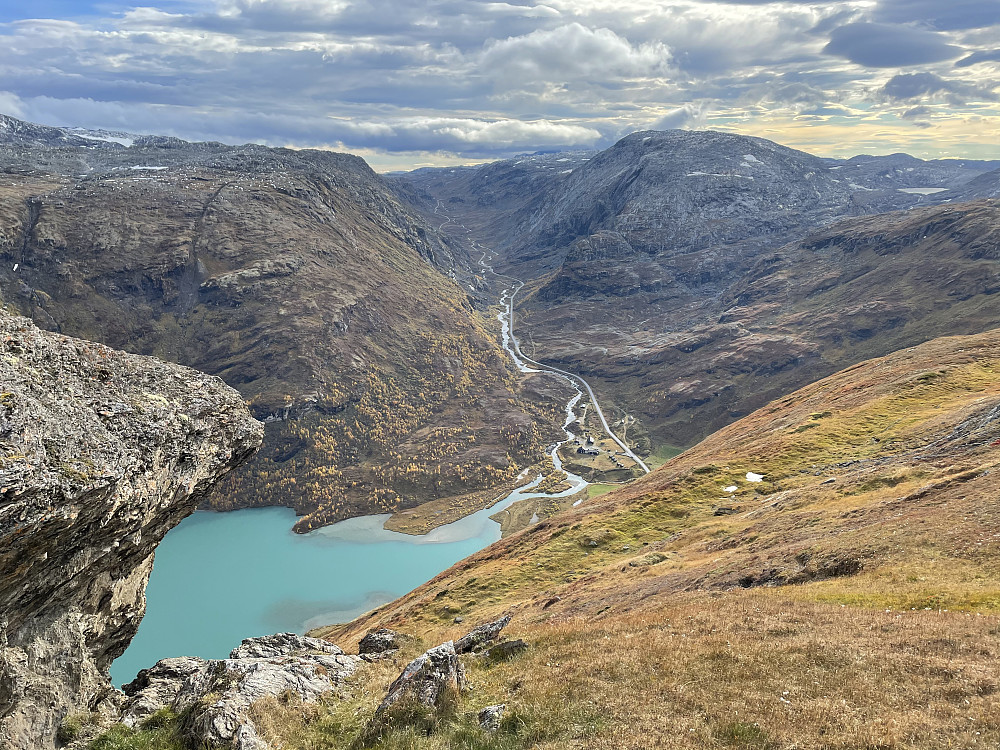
x: 691, y: 345
x: 693, y: 277
x: 19, y: 134
x: 101, y: 453
x: 905, y: 172
x: 666, y: 192
x: 301, y: 280
x: 986, y: 185
x: 829, y: 603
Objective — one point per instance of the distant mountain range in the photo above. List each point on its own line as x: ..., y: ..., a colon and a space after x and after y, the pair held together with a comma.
x: 692, y: 276
x: 652, y: 266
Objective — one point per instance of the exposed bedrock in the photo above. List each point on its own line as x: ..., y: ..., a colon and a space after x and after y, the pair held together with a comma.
x: 101, y: 454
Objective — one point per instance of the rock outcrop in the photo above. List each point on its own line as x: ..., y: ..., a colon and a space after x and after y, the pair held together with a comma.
x: 432, y: 681
x: 101, y: 453
x: 481, y: 635
x: 380, y: 643
x: 215, y: 696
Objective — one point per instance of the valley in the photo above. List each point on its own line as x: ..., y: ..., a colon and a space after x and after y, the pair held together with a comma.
x: 708, y: 425
x: 301, y: 280
x: 691, y: 277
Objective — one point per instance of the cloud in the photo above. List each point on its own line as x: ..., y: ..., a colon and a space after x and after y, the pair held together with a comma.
x: 471, y: 136
x: 917, y: 112
x: 943, y: 15
x: 909, y: 86
x: 480, y: 78
x: 992, y: 55
x: 10, y: 104
x: 464, y: 135
x: 571, y: 53
x: 879, y: 45
x: 687, y: 116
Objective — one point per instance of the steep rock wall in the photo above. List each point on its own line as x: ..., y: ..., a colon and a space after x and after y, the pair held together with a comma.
x: 101, y: 453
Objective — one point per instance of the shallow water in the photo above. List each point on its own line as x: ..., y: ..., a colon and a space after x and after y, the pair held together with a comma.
x: 222, y: 577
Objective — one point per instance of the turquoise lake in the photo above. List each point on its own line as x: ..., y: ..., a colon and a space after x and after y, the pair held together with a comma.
x: 221, y: 577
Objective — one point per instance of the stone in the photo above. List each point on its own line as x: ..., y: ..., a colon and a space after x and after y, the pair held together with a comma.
x: 429, y: 679
x: 380, y: 642
x: 107, y: 451
x: 158, y: 686
x: 281, y: 644
x: 481, y: 635
x: 270, y: 666
x: 491, y: 716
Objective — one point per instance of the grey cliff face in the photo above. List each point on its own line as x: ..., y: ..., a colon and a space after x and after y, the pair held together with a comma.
x: 101, y: 453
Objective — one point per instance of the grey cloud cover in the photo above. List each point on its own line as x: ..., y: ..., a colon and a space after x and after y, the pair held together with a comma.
x: 881, y: 45
x: 909, y: 86
x: 478, y: 79
x: 943, y: 15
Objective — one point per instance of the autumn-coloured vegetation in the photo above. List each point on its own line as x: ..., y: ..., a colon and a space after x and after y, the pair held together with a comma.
x: 849, y: 599
x: 304, y: 283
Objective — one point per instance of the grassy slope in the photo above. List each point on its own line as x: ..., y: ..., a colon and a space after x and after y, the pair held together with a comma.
x: 860, y: 612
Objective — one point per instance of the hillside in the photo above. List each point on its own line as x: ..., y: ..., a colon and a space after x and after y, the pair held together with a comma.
x: 693, y: 342
x: 664, y: 193
x: 694, y: 276
x: 302, y: 281
x: 986, y: 185
x: 848, y: 599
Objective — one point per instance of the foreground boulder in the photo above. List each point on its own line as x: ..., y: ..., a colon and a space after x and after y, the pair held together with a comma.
x: 481, y: 636
x: 428, y: 679
x: 380, y: 643
x: 101, y: 454
x: 215, y: 696
x: 430, y: 684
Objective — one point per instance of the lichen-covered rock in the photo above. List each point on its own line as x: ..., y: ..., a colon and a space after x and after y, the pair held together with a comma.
x: 491, y: 716
x: 282, y: 644
x: 216, y: 695
x: 101, y: 453
x: 380, y: 642
x: 481, y: 635
x: 429, y: 679
x: 158, y: 686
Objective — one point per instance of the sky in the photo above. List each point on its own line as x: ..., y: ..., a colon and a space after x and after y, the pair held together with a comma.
x: 408, y: 83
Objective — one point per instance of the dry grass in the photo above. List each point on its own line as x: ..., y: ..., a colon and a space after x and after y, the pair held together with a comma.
x: 797, y: 612
x: 750, y: 669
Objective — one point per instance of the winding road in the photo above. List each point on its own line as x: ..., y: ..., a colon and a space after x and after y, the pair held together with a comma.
x: 513, y: 346
x: 516, y: 346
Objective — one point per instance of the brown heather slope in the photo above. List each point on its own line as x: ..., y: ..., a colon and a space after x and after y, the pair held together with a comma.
x: 691, y: 342
x: 848, y: 600
x: 299, y: 279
